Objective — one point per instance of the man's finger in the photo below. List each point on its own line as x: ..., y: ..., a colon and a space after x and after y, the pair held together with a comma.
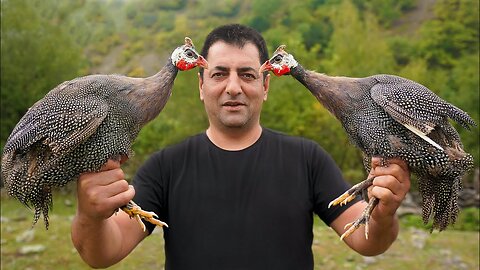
x: 110, y: 165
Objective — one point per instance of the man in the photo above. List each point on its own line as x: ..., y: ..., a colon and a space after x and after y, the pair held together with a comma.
x: 238, y: 196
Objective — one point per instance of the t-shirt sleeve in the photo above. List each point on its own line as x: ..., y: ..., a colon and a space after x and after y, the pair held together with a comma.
x: 328, y: 184
x: 149, y: 189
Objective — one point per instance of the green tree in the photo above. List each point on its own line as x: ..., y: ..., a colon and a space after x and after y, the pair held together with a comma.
x: 385, y: 10
x: 357, y: 47
x: 453, y: 33
x: 36, y: 54
x: 449, y: 45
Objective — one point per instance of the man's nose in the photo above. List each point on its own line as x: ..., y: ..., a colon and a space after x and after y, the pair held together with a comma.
x: 234, y: 86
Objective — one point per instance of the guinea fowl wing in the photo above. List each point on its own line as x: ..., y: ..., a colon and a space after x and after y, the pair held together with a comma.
x: 409, y: 103
x: 61, y: 122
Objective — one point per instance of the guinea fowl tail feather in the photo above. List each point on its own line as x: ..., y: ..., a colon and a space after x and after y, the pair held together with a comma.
x: 42, y: 205
x: 440, y: 193
x: 26, y: 182
x: 461, y: 117
x: 439, y: 201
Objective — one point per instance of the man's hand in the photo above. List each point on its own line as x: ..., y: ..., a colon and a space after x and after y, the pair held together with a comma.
x: 100, y: 194
x: 100, y: 238
x: 391, y: 184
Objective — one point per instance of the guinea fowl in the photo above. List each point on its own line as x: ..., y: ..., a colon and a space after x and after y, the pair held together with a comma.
x: 393, y: 117
x: 81, y: 124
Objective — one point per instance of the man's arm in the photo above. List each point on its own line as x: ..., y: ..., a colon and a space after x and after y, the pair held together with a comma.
x: 390, y: 185
x: 101, y: 237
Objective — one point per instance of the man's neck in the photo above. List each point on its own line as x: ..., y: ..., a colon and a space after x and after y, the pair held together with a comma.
x: 234, y: 139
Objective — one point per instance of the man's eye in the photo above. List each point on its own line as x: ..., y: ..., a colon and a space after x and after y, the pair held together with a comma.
x: 216, y: 75
x: 249, y: 76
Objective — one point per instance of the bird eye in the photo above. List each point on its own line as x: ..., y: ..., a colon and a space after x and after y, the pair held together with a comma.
x: 189, y: 53
x: 278, y: 59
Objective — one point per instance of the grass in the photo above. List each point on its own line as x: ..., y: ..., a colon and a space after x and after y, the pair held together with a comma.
x: 415, y: 247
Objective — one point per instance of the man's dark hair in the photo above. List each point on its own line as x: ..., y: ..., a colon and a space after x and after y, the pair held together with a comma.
x: 238, y: 35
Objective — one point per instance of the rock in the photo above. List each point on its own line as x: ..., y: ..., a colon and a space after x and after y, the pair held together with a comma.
x: 31, y: 249
x: 68, y: 202
x: 369, y: 260
x: 26, y: 236
x: 4, y: 219
x: 403, y: 211
x: 468, y: 197
x: 452, y: 261
x: 409, y: 206
x: 418, y: 238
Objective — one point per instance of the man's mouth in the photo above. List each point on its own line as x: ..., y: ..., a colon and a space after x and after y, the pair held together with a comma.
x: 233, y: 105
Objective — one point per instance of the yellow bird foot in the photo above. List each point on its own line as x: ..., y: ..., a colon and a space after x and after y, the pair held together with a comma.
x: 363, y: 219
x: 342, y: 199
x: 358, y: 189
x: 134, y: 211
x: 353, y: 226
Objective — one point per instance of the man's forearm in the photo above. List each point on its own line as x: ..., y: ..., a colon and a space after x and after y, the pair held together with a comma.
x: 98, y: 243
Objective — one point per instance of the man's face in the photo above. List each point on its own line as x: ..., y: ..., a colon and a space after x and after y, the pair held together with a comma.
x: 232, y: 90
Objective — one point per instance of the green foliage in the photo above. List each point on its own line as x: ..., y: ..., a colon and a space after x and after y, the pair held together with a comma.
x: 453, y: 32
x: 468, y: 220
x: 413, y: 221
x: 357, y: 47
x: 227, y: 8
x: 450, y: 46
x: 385, y: 10
x: 37, y: 54
x: 263, y: 14
x: 168, y: 4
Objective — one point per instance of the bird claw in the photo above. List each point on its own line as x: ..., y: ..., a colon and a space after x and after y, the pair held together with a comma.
x: 134, y: 211
x: 353, y: 226
x: 363, y: 219
x: 349, y: 195
x: 343, y: 199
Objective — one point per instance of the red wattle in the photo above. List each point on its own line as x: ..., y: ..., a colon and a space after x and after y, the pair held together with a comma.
x: 184, y: 65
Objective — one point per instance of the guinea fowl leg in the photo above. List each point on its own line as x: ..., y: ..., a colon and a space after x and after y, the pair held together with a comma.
x: 363, y: 219
x: 362, y: 190
x: 134, y: 211
x: 349, y: 195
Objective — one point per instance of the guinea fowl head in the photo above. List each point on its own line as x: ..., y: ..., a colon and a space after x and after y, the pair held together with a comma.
x: 281, y: 62
x: 185, y: 57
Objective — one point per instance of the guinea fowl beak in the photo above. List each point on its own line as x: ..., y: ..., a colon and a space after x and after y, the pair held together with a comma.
x: 266, y: 67
x: 202, y: 62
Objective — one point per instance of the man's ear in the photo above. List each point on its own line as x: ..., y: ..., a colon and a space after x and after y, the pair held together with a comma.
x: 266, y: 85
x: 200, y: 85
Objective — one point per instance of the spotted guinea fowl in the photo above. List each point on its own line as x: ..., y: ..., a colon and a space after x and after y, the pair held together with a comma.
x: 393, y: 117
x: 82, y: 123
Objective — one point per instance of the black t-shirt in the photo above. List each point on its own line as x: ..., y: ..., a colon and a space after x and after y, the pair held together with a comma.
x: 247, y: 209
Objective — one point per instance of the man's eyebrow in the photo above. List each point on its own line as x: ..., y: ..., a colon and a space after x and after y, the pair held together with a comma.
x: 239, y: 70
x: 247, y: 69
x: 221, y: 68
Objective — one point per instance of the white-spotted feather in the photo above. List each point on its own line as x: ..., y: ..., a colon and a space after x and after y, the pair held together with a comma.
x: 422, y: 135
